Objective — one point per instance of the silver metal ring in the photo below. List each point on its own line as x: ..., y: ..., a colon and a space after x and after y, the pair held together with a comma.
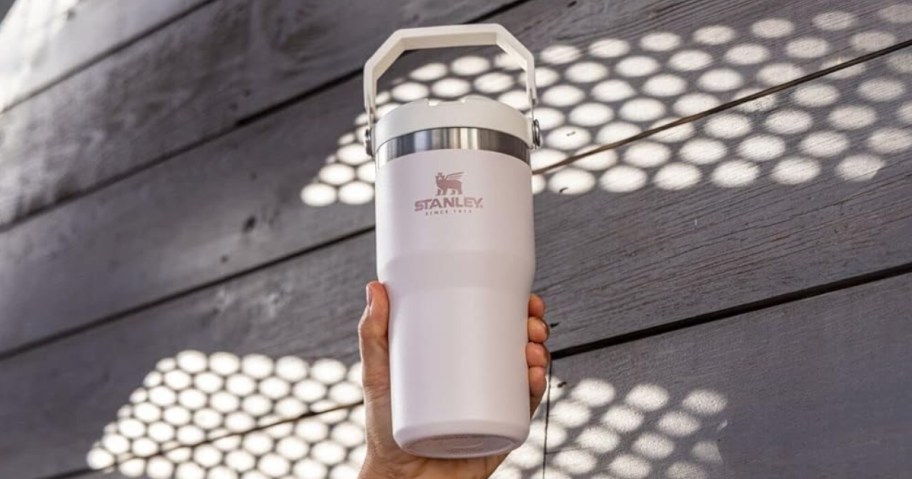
x: 453, y: 138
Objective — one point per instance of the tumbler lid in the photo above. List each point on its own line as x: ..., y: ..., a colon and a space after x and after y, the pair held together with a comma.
x: 473, y: 111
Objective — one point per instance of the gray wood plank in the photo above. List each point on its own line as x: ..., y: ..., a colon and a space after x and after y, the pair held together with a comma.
x: 183, y: 86
x: 245, y: 224
x: 53, y: 39
x: 813, y: 388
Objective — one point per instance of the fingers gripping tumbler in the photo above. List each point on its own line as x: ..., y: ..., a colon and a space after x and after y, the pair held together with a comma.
x: 455, y: 248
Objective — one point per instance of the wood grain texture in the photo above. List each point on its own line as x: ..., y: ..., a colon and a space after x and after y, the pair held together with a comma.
x: 53, y: 39
x: 237, y: 221
x: 811, y: 388
x: 183, y: 85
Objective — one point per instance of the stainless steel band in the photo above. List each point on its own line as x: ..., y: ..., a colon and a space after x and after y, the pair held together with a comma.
x: 453, y: 138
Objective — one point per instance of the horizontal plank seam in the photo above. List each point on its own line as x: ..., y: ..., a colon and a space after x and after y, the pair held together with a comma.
x: 117, y: 48
x: 239, y: 123
x: 118, y: 315
x: 728, y: 313
x: 24, y: 348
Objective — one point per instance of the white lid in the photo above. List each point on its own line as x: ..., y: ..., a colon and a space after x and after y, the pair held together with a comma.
x: 473, y: 111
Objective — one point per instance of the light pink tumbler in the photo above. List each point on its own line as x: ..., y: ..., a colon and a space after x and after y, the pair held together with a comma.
x: 455, y: 248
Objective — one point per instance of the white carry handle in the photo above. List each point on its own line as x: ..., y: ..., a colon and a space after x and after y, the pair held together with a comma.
x: 444, y: 37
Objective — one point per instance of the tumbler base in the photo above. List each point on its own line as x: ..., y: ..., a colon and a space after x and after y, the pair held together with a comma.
x: 435, y: 442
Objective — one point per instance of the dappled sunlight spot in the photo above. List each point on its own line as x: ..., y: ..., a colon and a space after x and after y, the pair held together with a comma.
x: 516, y: 98
x: 636, y: 66
x: 835, y: 20
x: 568, y: 138
x: 622, y: 418
x: 563, y: 96
x: 593, y: 392
x: 714, y: 35
x: 867, y: 42
x: 538, y: 184
x: 648, y: 397
x: 470, y: 65
x: 494, y: 82
x: 549, y: 118
x: 642, y: 109
x: 881, y: 89
x: 904, y: 113
x: 788, y: 122
x: 653, y: 446
x: 690, y: 60
x: 431, y: 71
x: 704, y: 402
x: 575, y: 461
x: 859, y: 167
x: 587, y: 114
x: 451, y: 87
x: 616, y: 131
x: 815, y: 95
x: 660, y: 41
x: 356, y: 193
x: 609, y: 48
x: 795, y: 170
x: 629, y: 466
x: 747, y: 54
x: 336, y: 174
x: 761, y: 147
x: 900, y: 62
x: 693, y: 103
x: 824, y: 143
x: 665, y: 85
x: 702, y: 151
x: 410, y: 91
x: 560, y: 54
x: 735, y: 173
x: 367, y: 172
x: 571, y: 181
x: 646, y: 154
x: 778, y: 73
x: 720, y: 79
x: 852, y: 117
x: 317, y: 194
x: 890, y: 140
x: 727, y: 125
x: 772, y: 28
x: 586, y: 72
x: 623, y: 179
x: 678, y: 424
x: 677, y: 176
x: 807, y: 47
x: 596, y: 161
x: 546, y: 157
x: 599, y: 439
x: 897, y: 13
x: 544, y: 77
x: 613, y: 90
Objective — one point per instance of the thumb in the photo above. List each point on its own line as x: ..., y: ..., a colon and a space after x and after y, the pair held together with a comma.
x: 374, y: 342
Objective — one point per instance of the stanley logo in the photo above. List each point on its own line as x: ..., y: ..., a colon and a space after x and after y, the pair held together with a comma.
x: 449, y: 198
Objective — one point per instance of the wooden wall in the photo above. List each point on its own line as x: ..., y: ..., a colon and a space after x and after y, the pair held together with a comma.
x: 186, y: 227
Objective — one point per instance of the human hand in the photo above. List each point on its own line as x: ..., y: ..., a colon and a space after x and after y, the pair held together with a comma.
x: 384, y: 458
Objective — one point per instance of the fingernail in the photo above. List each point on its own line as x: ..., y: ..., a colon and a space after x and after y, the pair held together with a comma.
x: 369, y: 294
